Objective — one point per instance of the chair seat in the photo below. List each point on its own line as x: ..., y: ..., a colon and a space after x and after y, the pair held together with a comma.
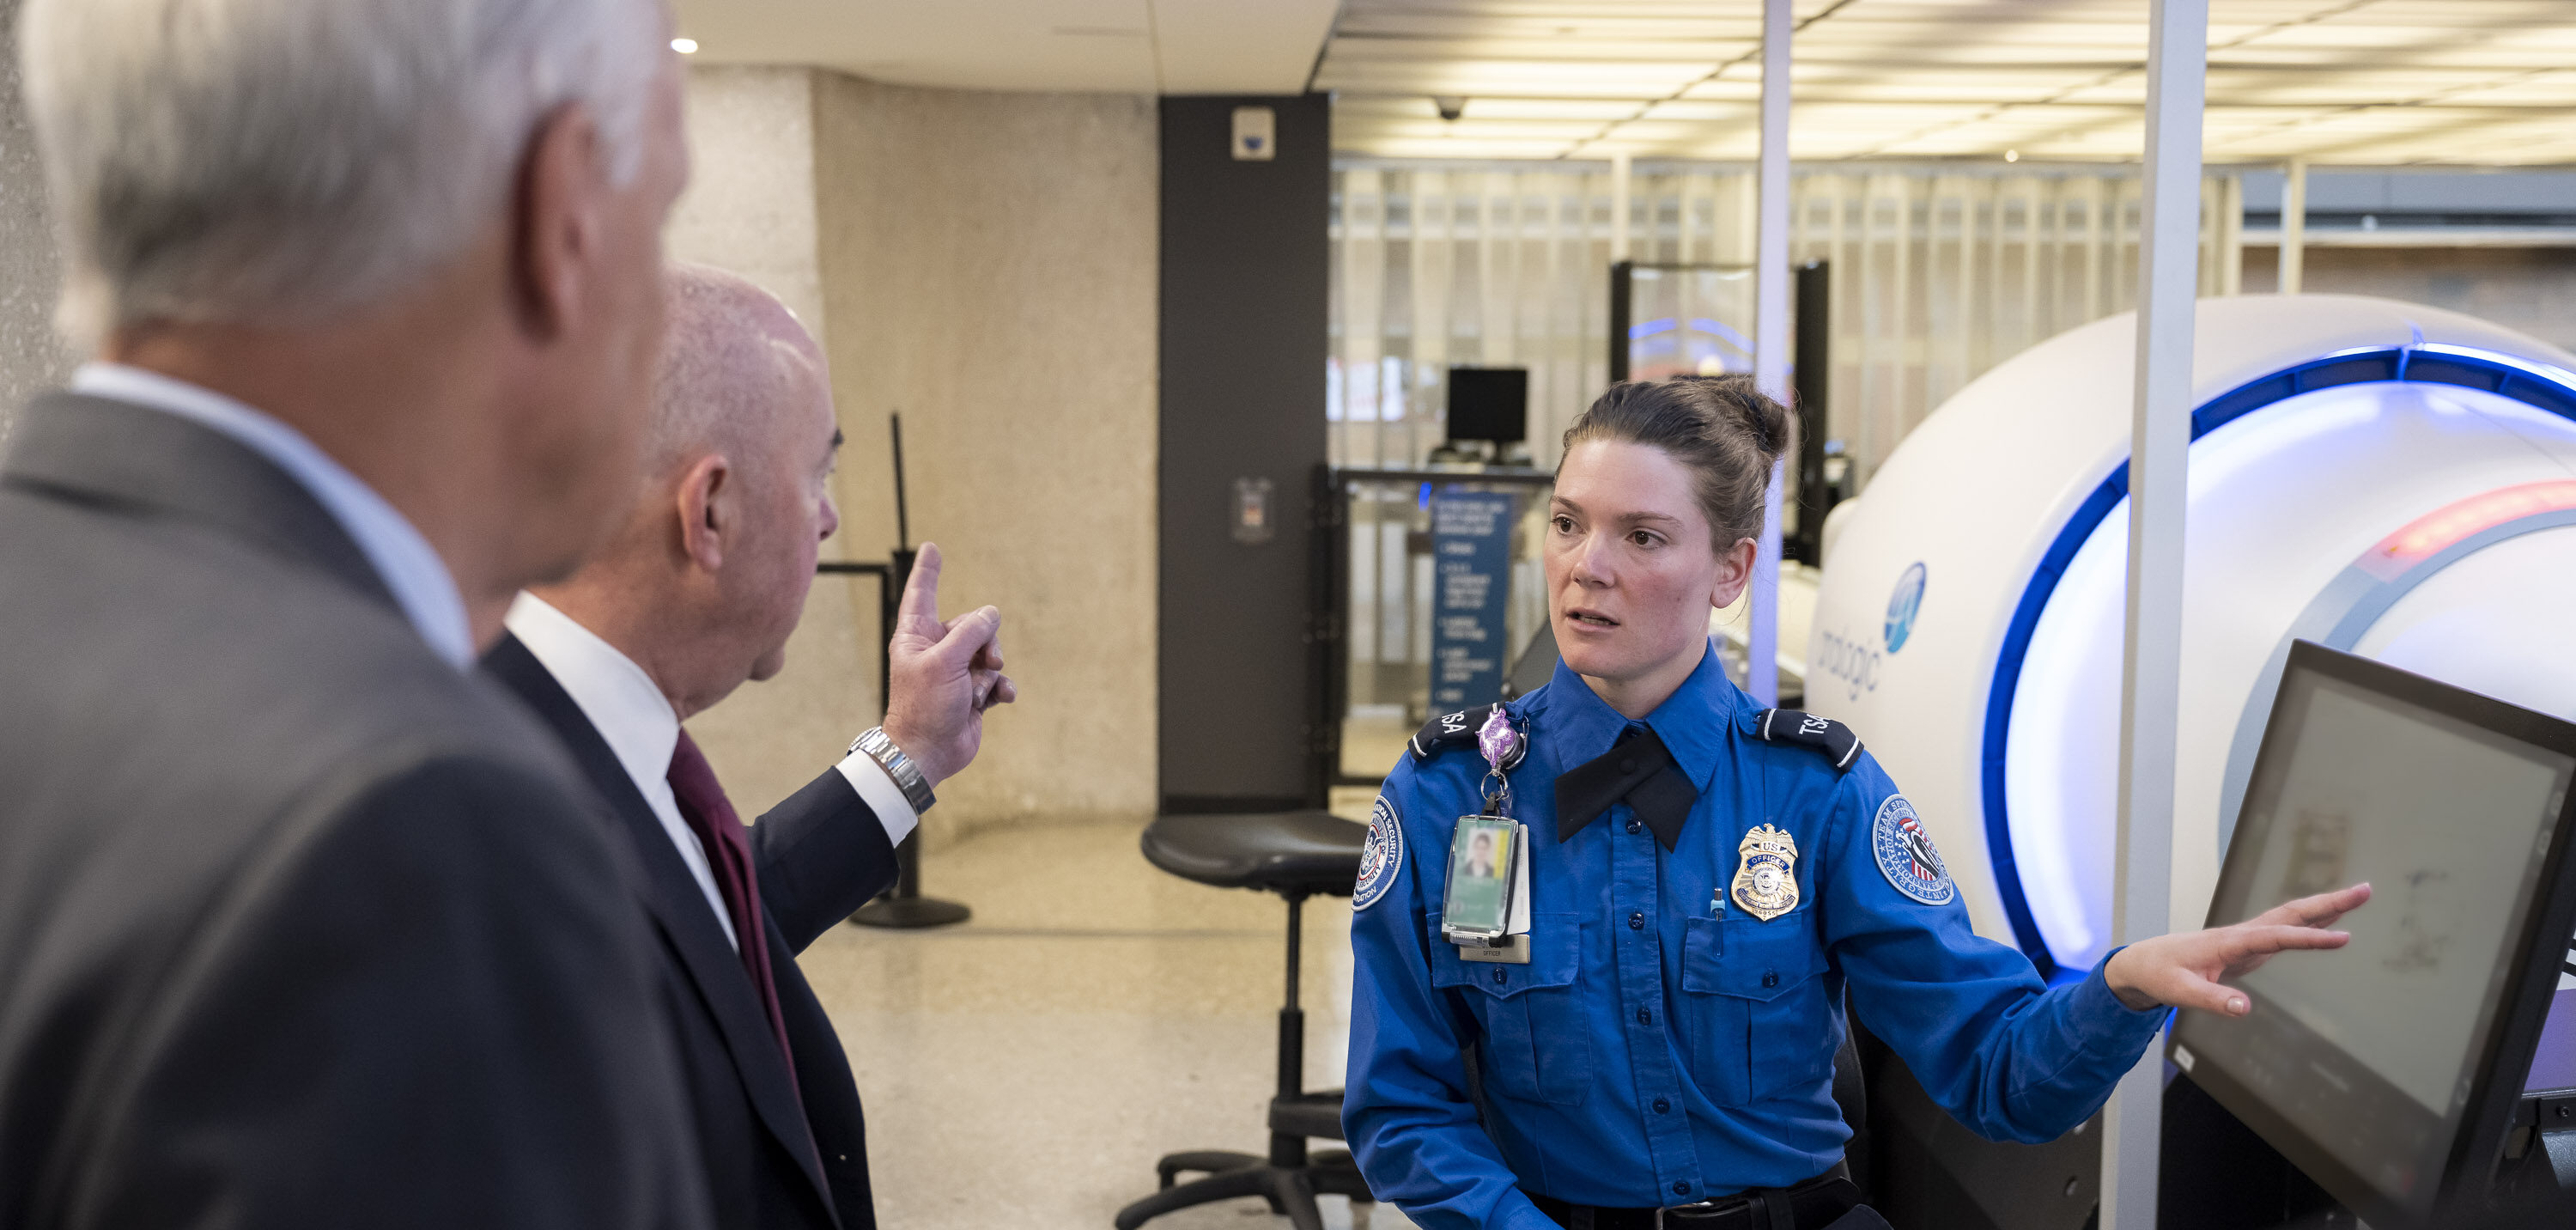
x: 1297, y: 852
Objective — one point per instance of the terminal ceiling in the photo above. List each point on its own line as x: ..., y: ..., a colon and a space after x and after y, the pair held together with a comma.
x: 2339, y: 82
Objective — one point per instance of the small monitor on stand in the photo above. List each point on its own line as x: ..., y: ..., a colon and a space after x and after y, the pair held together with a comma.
x: 1488, y: 415
x: 2392, y: 1071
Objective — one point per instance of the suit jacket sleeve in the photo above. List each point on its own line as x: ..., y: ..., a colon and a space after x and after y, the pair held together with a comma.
x: 439, y: 940
x: 820, y: 854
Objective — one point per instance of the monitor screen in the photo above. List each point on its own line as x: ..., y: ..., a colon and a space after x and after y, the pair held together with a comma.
x: 1489, y: 403
x: 2367, y: 1057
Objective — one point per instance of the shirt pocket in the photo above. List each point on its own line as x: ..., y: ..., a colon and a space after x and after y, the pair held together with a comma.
x: 1535, y: 1045
x: 1757, y: 1016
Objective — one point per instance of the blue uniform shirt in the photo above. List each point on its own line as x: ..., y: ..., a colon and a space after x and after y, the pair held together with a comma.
x: 1664, y: 1044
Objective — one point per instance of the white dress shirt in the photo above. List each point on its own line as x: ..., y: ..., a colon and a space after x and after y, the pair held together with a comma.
x: 639, y: 725
x: 410, y: 569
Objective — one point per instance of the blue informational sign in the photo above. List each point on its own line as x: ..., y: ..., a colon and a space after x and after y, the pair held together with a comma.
x: 1471, y: 539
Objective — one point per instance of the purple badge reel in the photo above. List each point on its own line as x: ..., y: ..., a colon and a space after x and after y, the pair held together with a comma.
x: 1486, y: 911
x: 1500, y: 741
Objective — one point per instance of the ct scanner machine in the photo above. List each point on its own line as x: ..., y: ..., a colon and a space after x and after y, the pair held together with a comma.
x: 2393, y: 480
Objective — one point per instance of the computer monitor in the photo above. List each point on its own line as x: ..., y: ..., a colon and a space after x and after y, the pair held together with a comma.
x: 2389, y: 1070
x: 1489, y: 403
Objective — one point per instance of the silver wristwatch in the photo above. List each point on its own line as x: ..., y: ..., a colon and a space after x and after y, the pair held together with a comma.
x: 907, y: 775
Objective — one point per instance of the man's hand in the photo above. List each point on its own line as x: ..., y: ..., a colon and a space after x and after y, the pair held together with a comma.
x: 944, y: 675
x: 2184, y: 969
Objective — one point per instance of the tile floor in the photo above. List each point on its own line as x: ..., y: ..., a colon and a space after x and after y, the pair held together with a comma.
x: 1025, y: 1068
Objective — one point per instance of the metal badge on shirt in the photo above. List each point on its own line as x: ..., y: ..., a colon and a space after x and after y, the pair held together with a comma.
x: 1766, y: 880
x: 1485, y: 910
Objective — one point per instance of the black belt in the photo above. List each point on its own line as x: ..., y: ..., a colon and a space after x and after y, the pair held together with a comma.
x: 1807, y: 1206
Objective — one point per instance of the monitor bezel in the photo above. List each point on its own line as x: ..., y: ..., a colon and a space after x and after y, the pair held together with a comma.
x: 2539, y: 950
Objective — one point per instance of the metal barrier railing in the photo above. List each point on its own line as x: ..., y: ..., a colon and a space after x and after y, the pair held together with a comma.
x: 1379, y: 641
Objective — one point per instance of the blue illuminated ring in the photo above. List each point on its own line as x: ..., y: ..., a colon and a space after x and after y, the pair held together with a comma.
x: 2545, y: 387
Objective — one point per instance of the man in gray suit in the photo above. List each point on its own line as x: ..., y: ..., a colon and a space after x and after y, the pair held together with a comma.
x: 301, y: 924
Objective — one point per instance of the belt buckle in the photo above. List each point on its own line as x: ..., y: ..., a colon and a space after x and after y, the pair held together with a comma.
x: 1698, y: 1205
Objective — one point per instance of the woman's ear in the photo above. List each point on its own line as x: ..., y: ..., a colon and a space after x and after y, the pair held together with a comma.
x: 706, y: 512
x: 1734, y: 571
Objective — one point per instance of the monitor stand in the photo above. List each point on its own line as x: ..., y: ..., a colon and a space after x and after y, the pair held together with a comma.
x: 2542, y: 1147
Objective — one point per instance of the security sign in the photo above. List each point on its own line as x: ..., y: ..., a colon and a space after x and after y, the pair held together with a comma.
x: 1381, y: 856
x: 1906, y: 856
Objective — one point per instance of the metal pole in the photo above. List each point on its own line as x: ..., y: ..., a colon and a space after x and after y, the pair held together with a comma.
x: 1619, y: 207
x: 2294, y: 226
x: 1771, y: 336
x: 2151, y: 661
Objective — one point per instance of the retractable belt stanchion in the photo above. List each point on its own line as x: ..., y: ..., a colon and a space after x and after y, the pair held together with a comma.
x: 903, y: 906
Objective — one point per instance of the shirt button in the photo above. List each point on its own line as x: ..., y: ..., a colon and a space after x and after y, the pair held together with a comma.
x: 1633, y: 826
x: 1636, y: 922
x: 1498, y: 976
x: 1661, y: 1106
x: 1771, y: 978
x: 1644, y: 1017
x: 1681, y: 1189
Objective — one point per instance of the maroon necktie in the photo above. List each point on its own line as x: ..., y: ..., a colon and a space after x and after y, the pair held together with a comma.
x: 728, y: 844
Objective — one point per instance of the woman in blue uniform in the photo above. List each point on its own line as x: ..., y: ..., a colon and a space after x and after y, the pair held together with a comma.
x: 1703, y: 883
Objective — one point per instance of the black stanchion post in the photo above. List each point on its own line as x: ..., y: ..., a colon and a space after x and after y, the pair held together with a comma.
x: 904, y: 906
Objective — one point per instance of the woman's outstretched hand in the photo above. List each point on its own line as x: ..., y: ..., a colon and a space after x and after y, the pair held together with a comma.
x: 2184, y: 969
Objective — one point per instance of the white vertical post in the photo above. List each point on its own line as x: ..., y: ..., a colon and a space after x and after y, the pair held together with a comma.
x: 1771, y: 336
x: 2151, y: 664
x: 1619, y: 164
x: 2294, y: 226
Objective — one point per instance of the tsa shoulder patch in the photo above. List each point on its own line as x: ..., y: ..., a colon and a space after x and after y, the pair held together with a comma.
x: 1381, y: 855
x: 1906, y: 856
x: 1459, y: 729
x: 1831, y: 739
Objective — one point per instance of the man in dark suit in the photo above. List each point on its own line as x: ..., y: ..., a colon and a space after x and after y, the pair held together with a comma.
x: 695, y: 594
x: 302, y: 923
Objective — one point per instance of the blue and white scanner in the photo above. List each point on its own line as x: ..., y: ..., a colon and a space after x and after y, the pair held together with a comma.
x: 2393, y: 480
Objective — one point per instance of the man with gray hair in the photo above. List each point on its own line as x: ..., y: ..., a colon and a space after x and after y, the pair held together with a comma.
x: 301, y: 923
x: 696, y: 593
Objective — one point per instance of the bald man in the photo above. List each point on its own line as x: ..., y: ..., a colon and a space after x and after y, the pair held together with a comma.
x: 695, y: 593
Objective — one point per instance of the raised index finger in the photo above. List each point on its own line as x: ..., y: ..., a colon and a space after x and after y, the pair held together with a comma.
x: 2321, y: 910
x: 919, y: 609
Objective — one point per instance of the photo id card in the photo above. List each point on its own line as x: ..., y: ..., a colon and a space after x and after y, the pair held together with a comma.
x: 1481, y: 856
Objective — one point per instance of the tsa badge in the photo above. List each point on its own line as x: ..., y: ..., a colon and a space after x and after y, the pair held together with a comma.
x: 1381, y: 855
x: 1906, y: 856
x: 1766, y: 882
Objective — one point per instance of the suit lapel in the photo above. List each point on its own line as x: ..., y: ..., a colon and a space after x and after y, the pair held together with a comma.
x: 678, y: 906
x: 146, y: 462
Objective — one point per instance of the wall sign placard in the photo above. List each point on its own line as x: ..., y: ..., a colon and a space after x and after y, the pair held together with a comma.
x: 1471, y: 536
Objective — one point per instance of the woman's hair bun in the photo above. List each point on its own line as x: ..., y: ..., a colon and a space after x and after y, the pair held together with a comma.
x: 1723, y: 428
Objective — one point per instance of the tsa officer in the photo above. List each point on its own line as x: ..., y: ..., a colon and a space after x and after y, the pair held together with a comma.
x: 1643, y: 1033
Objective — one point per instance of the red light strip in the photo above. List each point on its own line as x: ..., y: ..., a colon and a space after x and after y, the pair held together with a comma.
x: 2427, y: 535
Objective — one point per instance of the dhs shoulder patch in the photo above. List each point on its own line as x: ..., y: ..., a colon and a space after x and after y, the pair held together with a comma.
x: 1381, y: 855
x: 1905, y: 854
x: 1836, y: 741
x: 1450, y: 730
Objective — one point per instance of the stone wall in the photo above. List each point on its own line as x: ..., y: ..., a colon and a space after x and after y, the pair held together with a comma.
x: 984, y: 265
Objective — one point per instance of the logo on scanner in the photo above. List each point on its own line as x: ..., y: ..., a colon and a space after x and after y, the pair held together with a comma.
x: 1903, y: 605
x: 1381, y: 855
x: 1906, y: 856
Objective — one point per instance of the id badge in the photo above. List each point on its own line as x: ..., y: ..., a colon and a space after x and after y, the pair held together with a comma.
x: 1478, y: 906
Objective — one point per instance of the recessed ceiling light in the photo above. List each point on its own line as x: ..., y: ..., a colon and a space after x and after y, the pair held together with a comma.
x: 685, y: 46
x: 2012, y: 155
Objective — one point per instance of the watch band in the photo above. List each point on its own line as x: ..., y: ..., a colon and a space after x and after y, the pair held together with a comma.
x: 907, y: 775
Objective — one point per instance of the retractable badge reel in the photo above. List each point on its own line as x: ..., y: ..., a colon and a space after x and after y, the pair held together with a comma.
x: 1486, y: 910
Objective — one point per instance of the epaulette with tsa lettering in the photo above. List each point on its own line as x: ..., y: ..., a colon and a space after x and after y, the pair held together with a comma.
x: 1459, y: 730
x: 1835, y: 740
